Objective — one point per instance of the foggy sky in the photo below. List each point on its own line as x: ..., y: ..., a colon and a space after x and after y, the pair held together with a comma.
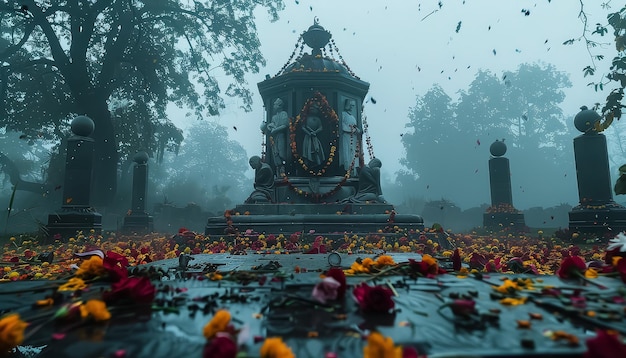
x: 404, y: 47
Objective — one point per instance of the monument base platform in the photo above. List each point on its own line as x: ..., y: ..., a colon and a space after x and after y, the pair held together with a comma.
x: 320, y: 218
x: 504, y: 221
x: 67, y: 223
x: 138, y: 223
x: 600, y: 220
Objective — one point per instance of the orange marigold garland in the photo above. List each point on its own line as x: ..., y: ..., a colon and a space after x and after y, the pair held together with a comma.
x: 327, y: 112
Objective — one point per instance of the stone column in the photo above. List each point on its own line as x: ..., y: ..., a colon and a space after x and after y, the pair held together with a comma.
x: 76, y: 213
x: 137, y: 219
x: 597, y: 212
x: 501, y: 214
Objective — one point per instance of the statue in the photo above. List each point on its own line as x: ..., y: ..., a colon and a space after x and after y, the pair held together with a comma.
x: 369, y: 184
x: 349, y: 135
x: 263, y: 182
x: 312, y: 149
x: 278, y: 128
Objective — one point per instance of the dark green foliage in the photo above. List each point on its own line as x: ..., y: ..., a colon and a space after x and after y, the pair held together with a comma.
x: 59, y: 59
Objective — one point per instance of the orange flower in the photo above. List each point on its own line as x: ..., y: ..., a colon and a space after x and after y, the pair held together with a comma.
x: 91, y: 267
x: 385, y: 260
x: 275, y: 348
x: 96, y: 309
x: 74, y: 284
x: 379, y: 346
x: 218, y: 323
x: 11, y: 332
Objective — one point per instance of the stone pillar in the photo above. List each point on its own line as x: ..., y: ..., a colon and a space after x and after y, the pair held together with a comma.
x: 137, y: 219
x: 597, y: 212
x: 76, y: 213
x: 501, y: 214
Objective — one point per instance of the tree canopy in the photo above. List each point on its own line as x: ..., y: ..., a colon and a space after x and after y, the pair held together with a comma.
x: 447, y: 147
x: 62, y: 58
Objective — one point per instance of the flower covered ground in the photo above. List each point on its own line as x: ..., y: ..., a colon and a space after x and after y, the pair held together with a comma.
x: 24, y: 257
x: 75, y: 267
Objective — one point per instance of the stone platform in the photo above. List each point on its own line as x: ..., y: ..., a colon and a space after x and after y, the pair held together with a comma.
x: 320, y: 218
x: 271, y: 296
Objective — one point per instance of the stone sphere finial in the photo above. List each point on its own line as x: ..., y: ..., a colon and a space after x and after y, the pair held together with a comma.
x: 141, y: 158
x: 82, y: 126
x: 585, y: 119
x: 498, y: 148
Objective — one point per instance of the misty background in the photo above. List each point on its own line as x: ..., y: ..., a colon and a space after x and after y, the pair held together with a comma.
x: 447, y: 78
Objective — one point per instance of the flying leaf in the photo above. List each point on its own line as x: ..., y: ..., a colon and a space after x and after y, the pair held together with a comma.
x: 458, y: 27
x: 569, y: 42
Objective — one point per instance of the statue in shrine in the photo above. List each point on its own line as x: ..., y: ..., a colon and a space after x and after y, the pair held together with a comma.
x: 349, y: 135
x: 369, y: 184
x: 312, y: 149
x: 277, y: 129
x: 263, y: 182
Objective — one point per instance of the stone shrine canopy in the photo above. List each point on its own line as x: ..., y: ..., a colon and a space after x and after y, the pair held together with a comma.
x: 315, y: 139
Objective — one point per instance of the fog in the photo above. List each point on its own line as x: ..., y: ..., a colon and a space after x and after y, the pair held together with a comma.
x: 403, y: 49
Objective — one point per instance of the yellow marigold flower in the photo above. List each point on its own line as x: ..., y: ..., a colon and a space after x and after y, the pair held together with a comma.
x: 96, y: 309
x: 508, y: 287
x: 591, y: 273
x: 74, y: 284
x: 385, y: 260
x: 446, y: 253
x: 91, y: 267
x: 429, y: 260
x: 513, y: 301
x: 215, y: 276
x: 615, y: 260
x: 275, y: 348
x: 11, y: 332
x: 218, y: 323
x: 379, y: 346
x: 367, y: 262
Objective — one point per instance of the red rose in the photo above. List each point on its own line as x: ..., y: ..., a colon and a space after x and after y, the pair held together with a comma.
x: 456, y: 260
x: 137, y: 289
x: 572, y: 266
x: 340, y: 277
x: 605, y: 345
x: 115, y: 264
x: 375, y: 299
x: 463, y: 307
x: 221, y: 346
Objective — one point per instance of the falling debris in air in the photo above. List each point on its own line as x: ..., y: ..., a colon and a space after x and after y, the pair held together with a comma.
x: 526, y: 12
x: 458, y: 27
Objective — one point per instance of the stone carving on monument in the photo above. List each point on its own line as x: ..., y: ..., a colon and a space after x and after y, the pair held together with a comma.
x: 596, y: 212
x: 313, y: 135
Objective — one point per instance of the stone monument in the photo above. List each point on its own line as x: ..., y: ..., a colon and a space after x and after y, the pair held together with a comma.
x: 314, y: 112
x: 76, y: 213
x: 501, y: 214
x: 137, y: 219
x: 596, y: 212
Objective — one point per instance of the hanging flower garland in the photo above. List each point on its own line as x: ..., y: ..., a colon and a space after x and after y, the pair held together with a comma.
x: 327, y: 112
x: 317, y: 196
x: 368, y: 139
